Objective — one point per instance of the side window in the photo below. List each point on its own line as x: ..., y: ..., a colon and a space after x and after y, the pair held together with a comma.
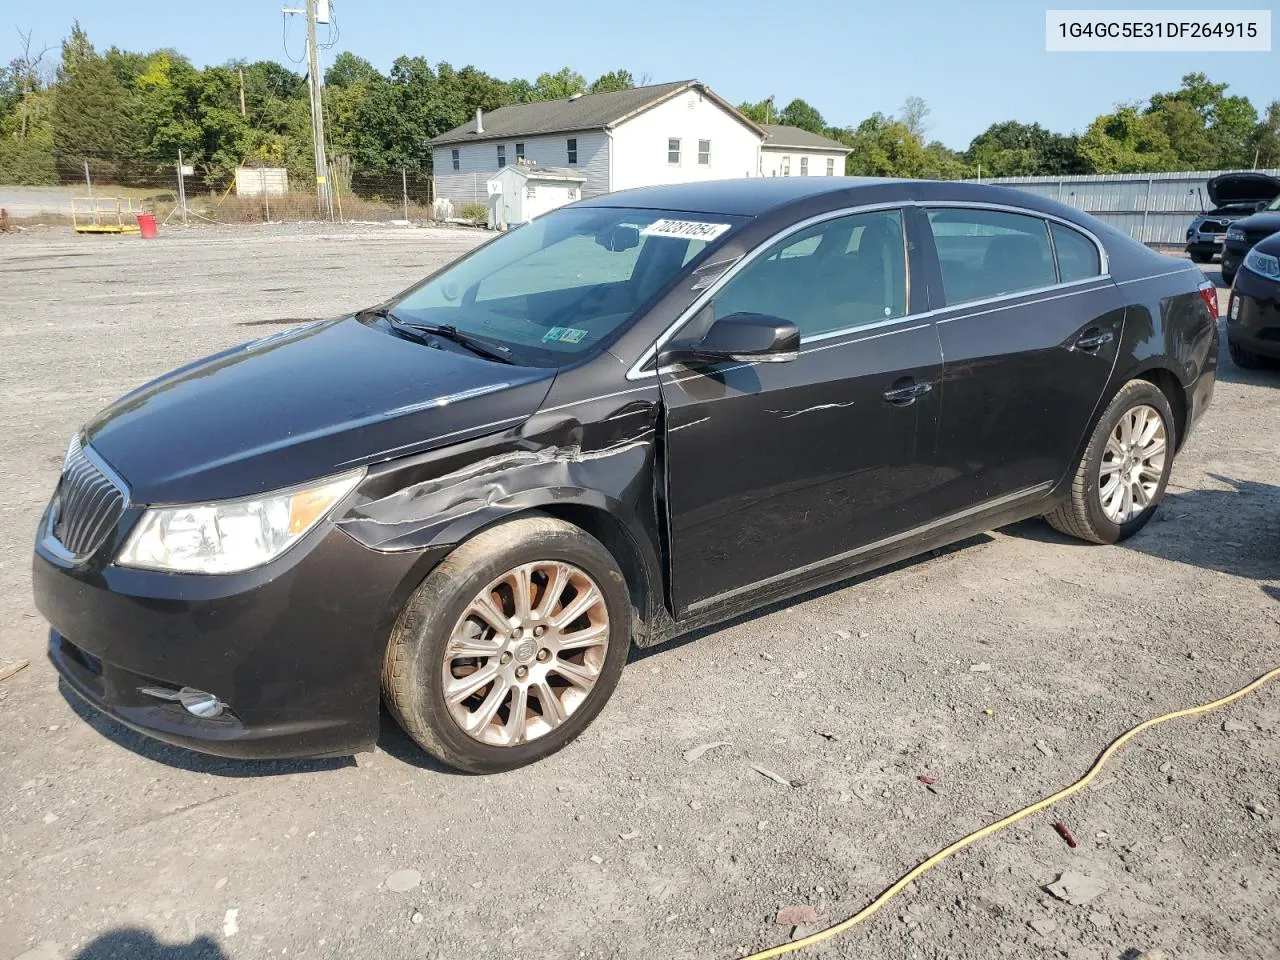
x: 989, y: 253
x: 842, y: 273
x: 1077, y: 255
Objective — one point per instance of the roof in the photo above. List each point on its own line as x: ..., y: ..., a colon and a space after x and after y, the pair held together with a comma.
x: 748, y: 197
x: 590, y: 111
x: 531, y: 171
x: 779, y: 135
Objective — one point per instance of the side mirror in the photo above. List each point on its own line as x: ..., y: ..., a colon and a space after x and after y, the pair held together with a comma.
x: 619, y: 238
x: 740, y: 336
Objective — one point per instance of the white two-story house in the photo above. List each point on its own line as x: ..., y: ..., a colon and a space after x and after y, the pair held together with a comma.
x: 669, y: 133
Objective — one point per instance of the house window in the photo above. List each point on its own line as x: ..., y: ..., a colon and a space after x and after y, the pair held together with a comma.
x: 831, y: 167
x: 704, y: 152
x: 571, y: 146
x: 457, y: 161
x: 786, y: 166
x: 502, y: 155
x: 673, y: 151
x: 519, y: 152
x: 804, y: 166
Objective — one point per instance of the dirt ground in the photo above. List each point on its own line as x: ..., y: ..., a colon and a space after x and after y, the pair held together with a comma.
x: 1000, y: 667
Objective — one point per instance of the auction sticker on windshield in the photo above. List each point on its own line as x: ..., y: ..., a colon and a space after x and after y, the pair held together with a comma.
x: 685, y: 229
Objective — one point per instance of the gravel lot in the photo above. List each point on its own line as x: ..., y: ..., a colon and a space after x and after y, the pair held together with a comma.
x: 112, y: 846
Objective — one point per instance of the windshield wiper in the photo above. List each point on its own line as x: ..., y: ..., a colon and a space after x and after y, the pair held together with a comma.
x: 446, y: 331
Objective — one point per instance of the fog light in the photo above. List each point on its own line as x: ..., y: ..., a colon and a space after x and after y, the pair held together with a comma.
x: 196, y: 702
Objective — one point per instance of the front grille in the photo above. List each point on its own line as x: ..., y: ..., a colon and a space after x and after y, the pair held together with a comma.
x: 88, y: 504
x: 1213, y: 226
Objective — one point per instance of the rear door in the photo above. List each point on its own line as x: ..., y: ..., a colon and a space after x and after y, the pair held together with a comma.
x: 1029, y: 331
x: 773, y: 468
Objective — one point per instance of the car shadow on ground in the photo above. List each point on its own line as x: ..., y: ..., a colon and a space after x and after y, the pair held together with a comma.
x: 131, y: 943
x: 189, y: 760
x: 637, y: 653
x: 1237, y: 531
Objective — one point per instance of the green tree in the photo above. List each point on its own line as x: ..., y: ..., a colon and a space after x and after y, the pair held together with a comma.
x: 1127, y: 141
x: 1013, y: 149
x: 609, y: 82
x: 559, y: 85
x: 91, y: 116
x: 1266, y: 137
x: 797, y: 113
x: 759, y: 112
x: 1205, y: 127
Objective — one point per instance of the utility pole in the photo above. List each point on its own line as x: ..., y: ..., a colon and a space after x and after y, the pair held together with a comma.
x: 324, y: 191
x: 323, y: 195
x: 242, y: 92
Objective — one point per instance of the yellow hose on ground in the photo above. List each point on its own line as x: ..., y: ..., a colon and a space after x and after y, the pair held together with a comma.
x: 1012, y: 818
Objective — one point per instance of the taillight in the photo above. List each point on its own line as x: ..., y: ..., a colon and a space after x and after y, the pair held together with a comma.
x: 1209, y: 294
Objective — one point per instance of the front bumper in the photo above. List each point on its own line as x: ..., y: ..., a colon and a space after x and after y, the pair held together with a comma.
x: 1233, y: 253
x: 1253, y: 314
x: 294, y: 648
x: 1207, y: 244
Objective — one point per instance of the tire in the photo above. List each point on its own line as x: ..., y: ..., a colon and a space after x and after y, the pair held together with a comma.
x: 1198, y: 257
x: 424, y: 641
x: 1083, y: 514
x: 1245, y: 359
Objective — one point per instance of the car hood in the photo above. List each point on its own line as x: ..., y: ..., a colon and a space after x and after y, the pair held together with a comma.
x: 1241, y: 188
x: 303, y: 404
x: 1268, y: 221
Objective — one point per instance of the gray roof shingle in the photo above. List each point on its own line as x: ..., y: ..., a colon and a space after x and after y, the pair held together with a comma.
x: 780, y: 135
x: 591, y: 111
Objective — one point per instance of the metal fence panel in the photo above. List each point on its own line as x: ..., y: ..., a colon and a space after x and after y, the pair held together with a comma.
x: 1155, y: 208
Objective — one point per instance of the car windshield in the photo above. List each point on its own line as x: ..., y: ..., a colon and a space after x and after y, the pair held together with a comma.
x: 561, y: 285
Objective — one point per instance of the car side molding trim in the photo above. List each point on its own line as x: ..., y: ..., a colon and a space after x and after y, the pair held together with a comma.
x: 799, y: 573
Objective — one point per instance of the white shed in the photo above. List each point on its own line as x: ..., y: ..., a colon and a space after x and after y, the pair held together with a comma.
x: 522, y: 191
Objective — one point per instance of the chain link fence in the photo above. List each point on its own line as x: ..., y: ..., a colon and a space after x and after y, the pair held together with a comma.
x: 195, y: 192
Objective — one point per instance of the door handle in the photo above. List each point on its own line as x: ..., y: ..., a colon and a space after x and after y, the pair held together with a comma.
x: 1093, y: 339
x: 904, y: 396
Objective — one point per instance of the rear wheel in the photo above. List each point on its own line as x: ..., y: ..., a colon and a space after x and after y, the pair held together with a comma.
x: 1122, y: 476
x: 510, y: 647
x: 1245, y: 359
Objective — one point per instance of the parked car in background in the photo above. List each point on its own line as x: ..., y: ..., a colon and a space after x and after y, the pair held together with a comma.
x: 1234, y: 196
x: 1253, y: 308
x: 633, y: 417
x: 1244, y: 234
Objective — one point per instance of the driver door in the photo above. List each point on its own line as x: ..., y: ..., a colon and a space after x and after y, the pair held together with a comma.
x: 778, y: 468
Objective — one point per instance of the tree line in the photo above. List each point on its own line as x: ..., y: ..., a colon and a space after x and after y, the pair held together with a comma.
x: 129, y: 114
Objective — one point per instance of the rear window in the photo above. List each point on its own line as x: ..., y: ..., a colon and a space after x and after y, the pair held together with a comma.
x: 1077, y: 255
x: 990, y: 253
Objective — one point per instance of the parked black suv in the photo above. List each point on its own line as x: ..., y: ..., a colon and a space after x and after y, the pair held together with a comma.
x: 1244, y: 234
x: 1234, y: 196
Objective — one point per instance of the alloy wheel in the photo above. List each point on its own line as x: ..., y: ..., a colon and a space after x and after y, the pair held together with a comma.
x: 1132, y: 464
x: 526, y: 653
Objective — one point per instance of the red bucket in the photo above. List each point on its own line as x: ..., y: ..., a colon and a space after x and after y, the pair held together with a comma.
x: 147, y: 224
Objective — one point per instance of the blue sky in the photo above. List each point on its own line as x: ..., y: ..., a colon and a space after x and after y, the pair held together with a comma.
x: 974, y: 63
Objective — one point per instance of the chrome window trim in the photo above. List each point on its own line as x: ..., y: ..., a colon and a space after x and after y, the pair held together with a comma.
x: 637, y: 372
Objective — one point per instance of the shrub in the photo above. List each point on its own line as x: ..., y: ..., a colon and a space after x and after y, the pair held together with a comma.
x: 474, y: 211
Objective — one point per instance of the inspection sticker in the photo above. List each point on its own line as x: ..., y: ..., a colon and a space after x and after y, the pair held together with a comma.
x: 565, y: 335
x: 685, y: 229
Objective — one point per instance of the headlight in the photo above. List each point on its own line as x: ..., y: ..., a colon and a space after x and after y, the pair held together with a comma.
x: 234, y: 535
x: 1262, y: 263
x: 1235, y: 233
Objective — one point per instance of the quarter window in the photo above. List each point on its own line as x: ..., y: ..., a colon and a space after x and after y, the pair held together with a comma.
x: 989, y: 253
x: 571, y: 148
x: 673, y: 151
x: 457, y: 161
x: 502, y: 155
x: 842, y: 273
x: 1077, y: 255
x: 704, y: 152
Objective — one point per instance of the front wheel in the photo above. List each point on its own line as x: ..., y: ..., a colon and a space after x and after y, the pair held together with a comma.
x: 1122, y: 476
x: 510, y: 647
